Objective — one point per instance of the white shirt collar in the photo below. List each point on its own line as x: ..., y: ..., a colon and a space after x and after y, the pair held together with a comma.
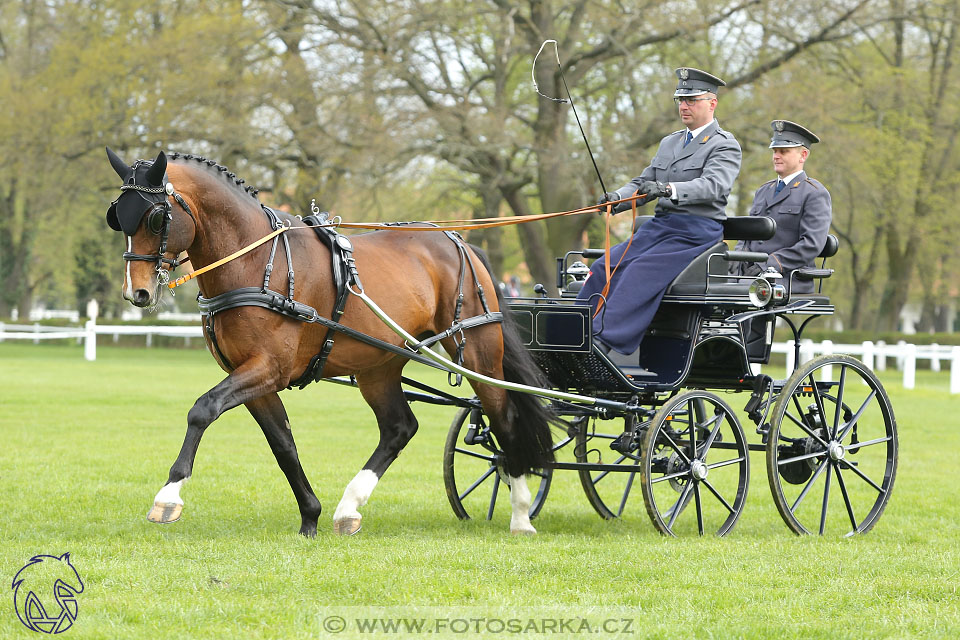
x: 790, y: 177
x: 696, y: 132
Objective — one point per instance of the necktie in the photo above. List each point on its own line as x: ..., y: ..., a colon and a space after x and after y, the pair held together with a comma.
x: 688, y: 138
x: 780, y: 186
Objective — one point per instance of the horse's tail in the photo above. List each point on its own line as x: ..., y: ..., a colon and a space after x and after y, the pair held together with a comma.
x: 528, y: 414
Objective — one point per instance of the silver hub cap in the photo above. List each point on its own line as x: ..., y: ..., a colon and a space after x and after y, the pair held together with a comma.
x: 698, y: 470
x: 835, y: 449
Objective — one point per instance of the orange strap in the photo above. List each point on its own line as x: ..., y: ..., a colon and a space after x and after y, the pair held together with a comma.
x: 606, y: 250
x: 223, y: 261
x: 436, y: 225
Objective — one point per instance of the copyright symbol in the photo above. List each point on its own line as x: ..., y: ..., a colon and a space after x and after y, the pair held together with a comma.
x: 334, y: 624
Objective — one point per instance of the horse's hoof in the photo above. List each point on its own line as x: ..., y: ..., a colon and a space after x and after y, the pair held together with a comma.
x: 523, y: 531
x: 165, y: 512
x: 347, y: 526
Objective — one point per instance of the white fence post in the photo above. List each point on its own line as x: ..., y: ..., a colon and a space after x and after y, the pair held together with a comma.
x: 934, y: 357
x: 791, y: 357
x: 867, y: 357
x: 955, y: 370
x: 901, y: 354
x: 90, y: 342
x: 36, y: 330
x: 1, y: 331
x: 881, y: 355
x: 806, y: 351
x: 909, y: 359
x: 826, y: 373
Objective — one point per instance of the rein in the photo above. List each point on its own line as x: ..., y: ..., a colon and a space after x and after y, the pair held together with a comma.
x: 436, y: 225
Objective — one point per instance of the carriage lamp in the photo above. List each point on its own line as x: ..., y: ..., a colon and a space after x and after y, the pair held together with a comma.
x: 578, y: 270
x: 760, y: 292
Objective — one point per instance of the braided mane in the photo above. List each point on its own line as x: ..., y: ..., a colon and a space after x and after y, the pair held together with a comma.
x: 249, y: 189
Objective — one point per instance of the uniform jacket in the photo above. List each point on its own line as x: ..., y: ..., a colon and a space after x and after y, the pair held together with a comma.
x: 703, y: 172
x: 802, y: 211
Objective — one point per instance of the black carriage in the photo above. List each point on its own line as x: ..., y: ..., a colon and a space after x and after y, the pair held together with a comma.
x: 664, y: 419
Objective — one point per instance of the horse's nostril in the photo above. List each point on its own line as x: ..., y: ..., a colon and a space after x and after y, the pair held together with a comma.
x: 141, y: 297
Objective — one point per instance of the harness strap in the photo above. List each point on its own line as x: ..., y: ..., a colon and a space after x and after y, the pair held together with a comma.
x: 254, y: 297
x: 344, y: 272
x: 455, y: 328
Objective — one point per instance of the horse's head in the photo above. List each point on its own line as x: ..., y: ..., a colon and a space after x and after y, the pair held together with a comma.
x: 157, y: 231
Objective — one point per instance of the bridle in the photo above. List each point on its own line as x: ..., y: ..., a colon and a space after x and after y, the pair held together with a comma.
x: 158, y: 220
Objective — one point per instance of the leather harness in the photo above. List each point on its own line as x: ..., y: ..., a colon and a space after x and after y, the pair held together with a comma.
x: 345, y: 277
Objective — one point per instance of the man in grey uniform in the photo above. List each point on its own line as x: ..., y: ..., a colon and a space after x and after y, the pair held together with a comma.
x: 690, y: 177
x: 799, y: 204
x: 801, y: 208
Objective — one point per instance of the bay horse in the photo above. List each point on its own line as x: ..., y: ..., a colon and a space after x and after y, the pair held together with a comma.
x: 190, y: 204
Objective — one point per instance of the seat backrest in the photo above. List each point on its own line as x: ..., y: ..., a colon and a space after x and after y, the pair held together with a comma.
x: 831, y: 247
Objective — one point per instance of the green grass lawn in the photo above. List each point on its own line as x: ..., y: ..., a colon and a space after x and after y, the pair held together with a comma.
x: 85, y: 446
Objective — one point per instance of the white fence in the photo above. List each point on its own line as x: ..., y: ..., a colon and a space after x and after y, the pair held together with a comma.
x: 876, y: 354
x: 873, y: 354
x: 89, y: 332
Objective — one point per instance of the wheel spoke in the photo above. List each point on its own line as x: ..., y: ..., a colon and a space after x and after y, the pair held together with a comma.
x: 671, y: 476
x: 819, y: 400
x: 476, y: 484
x: 806, y: 429
x: 474, y: 454
x: 846, y: 499
x: 826, y: 499
x: 626, y: 494
x: 867, y: 443
x: 673, y: 446
x: 836, y: 414
x: 864, y: 477
x: 493, y: 496
x: 679, y: 504
x: 696, y: 497
x: 725, y: 463
x: 806, y: 489
x: 694, y: 423
x: 856, y: 416
x: 717, y: 422
x: 805, y: 456
x: 717, y: 495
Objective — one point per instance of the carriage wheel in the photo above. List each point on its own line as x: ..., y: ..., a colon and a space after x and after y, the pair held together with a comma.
x: 607, y: 491
x: 472, y: 472
x: 695, y: 466
x: 832, y: 447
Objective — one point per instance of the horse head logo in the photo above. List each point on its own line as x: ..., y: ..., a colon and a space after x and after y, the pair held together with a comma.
x: 45, y: 593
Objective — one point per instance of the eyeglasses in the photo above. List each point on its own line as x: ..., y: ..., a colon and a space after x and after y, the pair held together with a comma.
x: 689, y: 101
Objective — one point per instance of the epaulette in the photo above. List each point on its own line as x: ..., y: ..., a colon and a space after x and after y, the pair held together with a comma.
x: 815, y: 183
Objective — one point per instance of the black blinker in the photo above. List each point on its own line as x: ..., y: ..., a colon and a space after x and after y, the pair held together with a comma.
x: 156, y: 219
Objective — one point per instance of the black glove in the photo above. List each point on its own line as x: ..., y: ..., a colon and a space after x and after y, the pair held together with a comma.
x: 609, y: 196
x: 653, y: 190
x: 752, y: 269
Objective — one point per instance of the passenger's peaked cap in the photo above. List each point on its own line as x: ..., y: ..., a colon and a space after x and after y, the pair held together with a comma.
x: 693, y: 82
x: 791, y: 134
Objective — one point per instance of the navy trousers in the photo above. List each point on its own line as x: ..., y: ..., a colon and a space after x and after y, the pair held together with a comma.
x: 660, y: 250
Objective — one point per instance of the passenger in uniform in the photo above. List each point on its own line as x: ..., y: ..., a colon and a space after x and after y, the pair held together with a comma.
x: 690, y: 177
x: 801, y: 208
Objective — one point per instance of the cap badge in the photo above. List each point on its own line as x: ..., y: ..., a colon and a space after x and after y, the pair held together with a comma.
x: 778, y: 125
x: 684, y: 74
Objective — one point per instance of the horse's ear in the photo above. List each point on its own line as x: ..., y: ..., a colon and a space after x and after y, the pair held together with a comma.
x: 155, y: 173
x: 121, y: 167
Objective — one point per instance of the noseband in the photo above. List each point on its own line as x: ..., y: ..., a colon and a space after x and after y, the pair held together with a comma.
x: 159, y: 217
